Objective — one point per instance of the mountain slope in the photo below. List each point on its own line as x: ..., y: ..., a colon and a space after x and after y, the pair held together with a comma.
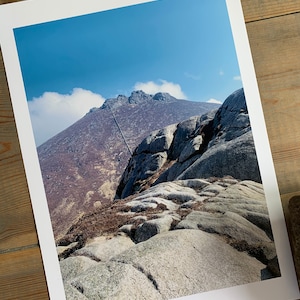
x: 82, y: 165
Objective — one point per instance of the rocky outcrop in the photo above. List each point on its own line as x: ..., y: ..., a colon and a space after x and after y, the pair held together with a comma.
x: 74, y: 266
x: 103, y: 248
x: 218, y: 143
x: 193, y: 218
x: 169, y: 265
x: 235, y: 210
x: 176, y: 239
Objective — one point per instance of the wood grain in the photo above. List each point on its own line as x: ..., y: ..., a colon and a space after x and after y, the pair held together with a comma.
x: 255, y: 10
x: 275, y: 48
x: 22, y: 276
x: 16, y: 221
x: 274, y: 32
x: 21, y: 268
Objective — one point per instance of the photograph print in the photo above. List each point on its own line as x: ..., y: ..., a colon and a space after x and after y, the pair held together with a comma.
x: 146, y: 152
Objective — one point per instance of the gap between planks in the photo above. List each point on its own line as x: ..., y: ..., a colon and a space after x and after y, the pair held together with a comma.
x: 15, y: 249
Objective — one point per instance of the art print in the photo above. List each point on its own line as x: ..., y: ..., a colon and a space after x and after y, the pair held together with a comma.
x: 143, y: 145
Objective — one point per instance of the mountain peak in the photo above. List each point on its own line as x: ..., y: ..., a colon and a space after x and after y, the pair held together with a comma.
x: 163, y: 97
x: 137, y: 97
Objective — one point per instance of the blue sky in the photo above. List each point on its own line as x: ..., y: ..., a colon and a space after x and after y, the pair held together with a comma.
x: 181, y: 46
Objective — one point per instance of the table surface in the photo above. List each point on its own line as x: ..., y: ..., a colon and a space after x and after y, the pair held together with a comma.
x: 274, y: 33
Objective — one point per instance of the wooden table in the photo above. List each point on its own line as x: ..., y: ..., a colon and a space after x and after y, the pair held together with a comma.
x: 274, y: 32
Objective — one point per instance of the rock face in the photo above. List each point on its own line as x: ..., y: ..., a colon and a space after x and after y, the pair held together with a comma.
x: 192, y: 217
x: 82, y: 165
x: 215, y: 144
x: 146, y: 271
x: 103, y: 248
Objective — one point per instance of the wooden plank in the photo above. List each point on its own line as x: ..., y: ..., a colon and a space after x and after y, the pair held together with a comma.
x: 22, y: 275
x: 255, y: 10
x: 17, y: 227
x: 21, y: 271
x: 275, y: 45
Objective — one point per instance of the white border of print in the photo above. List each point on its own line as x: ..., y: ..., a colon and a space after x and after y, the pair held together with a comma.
x: 38, y: 11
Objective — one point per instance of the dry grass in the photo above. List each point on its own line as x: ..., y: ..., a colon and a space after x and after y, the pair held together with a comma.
x: 106, y: 220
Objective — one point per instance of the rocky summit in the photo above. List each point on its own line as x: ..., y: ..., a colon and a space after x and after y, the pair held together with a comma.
x: 82, y: 165
x: 218, y: 143
x: 189, y: 216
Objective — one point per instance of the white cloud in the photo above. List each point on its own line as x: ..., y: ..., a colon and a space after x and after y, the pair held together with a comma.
x: 163, y: 86
x: 221, y: 73
x: 54, y: 112
x: 238, y: 78
x: 214, y: 101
